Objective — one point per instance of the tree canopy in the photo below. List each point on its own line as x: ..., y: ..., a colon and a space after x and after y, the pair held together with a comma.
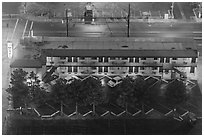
x: 176, y: 92
x: 18, y: 88
x: 125, y: 92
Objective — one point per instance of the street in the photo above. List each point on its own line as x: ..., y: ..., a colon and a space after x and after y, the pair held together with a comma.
x: 119, y: 29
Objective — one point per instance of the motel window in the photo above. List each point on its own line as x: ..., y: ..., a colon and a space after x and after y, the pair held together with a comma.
x: 167, y: 60
x: 160, y: 69
x: 193, y: 60
x: 105, y: 69
x: 81, y: 58
x: 93, y: 68
x: 154, y: 68
x: 124, y: 58
x: 74, y: 59
x: 131, y: 59
x: 94, y: 58
x: 106, y: 59
x: 99, y: 69
x: 141, y: 68
x: 130, y: 69
x: 161, y: 60
x: 62, y: 58
x: 143, y: 58
x: 69, y: 69
x: 192, y: 70
x: 174, y: 58
x: 100, y: 59
x: 69, y: 59
x: 136, y: 70
x: 75, y: 69
x: 155, y: 58
x: 137, y: 60
x: 112, y: 58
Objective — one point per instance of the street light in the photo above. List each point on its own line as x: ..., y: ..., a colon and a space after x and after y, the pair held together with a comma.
x: 172, y: 10
x: 68, y: 14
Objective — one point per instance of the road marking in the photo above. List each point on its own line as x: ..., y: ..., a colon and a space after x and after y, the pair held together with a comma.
x: 31, y: 27
x: 14, y: 29
x: 197, y: 38
x: 25, y: 28
x: 197, y: 32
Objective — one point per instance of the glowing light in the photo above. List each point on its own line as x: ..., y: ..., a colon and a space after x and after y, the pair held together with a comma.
x: 10, y: 49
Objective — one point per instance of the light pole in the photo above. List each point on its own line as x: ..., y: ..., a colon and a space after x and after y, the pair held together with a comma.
x: 172, y: 10
x: 67, y: 21
x: 128, y: 21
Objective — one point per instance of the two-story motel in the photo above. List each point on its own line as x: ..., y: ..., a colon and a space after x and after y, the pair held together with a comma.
x: 167, y: 58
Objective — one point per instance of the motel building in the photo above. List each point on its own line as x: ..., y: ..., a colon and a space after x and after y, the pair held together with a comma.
x: 67, y: 57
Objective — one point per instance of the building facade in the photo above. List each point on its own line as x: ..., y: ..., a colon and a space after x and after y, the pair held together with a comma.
x: 65, y: 57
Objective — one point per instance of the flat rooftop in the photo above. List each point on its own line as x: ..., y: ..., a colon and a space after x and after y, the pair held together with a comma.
x: 119, y: 43
x: 127, y: 47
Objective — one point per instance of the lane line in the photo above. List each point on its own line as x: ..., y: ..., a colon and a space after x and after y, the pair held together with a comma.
x: 25, y: 28
x: 31, y: 27
x: 14, y: 29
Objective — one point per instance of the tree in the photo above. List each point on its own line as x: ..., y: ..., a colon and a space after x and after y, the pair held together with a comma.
x: 140, y: 91
x: 37, y: 93
x: 77, y: 93
x: 59, y: 92
x: 93, y: 90
x: 125, y: 92
x: 18, y: 88
x: 176, y: 93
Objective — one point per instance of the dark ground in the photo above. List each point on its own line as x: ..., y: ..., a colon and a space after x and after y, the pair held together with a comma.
x: 100, y: 127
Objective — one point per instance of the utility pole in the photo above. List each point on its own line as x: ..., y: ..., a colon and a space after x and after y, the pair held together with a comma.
x: 67, y: 21
x: 128, y: 21
x: 172, y: 10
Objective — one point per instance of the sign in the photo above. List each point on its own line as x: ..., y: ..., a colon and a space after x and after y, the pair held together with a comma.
x: 10, y: 49
x: 166, y: 16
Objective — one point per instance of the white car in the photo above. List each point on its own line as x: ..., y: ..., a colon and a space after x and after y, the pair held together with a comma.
x: 115, y: 81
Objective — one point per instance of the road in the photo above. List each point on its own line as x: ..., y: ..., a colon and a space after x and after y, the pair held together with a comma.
x: 119, y: 29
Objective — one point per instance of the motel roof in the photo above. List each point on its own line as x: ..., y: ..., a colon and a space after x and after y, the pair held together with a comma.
x: 121, y: 47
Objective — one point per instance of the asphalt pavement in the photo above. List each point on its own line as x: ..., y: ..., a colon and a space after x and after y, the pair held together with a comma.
x: 119, y: 29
